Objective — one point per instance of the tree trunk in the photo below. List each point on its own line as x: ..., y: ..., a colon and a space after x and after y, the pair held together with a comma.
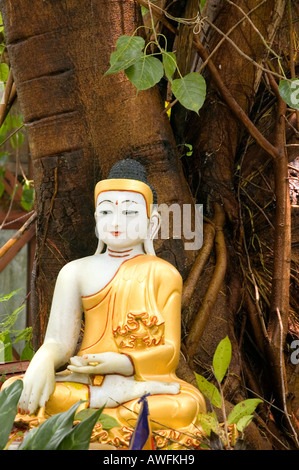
x: 79, y: 123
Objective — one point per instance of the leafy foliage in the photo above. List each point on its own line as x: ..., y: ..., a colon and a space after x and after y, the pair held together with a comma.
x: 11, y: 130
x: 7, y: 331
x: 243, y: 409
x: 58, y: 432
x: 222, y: 358
x: 209, y: 390
x: 242, y: 413
x: 145, y: 70
x: 9, y: 398
x: 128, y: 50
x: 63, y: 431
x: 107, y: 422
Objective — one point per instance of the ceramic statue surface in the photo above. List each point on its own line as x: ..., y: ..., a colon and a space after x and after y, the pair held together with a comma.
x: 131, y: 303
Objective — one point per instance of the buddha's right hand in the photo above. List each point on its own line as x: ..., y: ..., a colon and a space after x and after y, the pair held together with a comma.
x: 102, y: 363
x: 38, y: 384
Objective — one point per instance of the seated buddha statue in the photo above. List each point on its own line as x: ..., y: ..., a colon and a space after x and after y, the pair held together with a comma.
x: 131, y: 301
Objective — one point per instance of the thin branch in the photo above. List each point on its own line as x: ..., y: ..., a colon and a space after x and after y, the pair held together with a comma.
x: 258, y: 207
x: 254, y: 27
x: 4, y: 249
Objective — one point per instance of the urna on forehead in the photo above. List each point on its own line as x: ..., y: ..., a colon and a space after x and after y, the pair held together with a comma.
x: 128, y: 175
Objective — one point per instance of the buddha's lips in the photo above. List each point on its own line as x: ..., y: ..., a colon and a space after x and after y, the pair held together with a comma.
x: 116, y: 234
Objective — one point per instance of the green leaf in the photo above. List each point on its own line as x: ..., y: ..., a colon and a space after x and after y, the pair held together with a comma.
x: 4, y: 71
x: 243, y: 422
x: 169, y: 64
x: 9, y: 398
x: 145, y: 73
x: 7, y: 297
x: 289, y: 91
x: 209, y: 422
x: 83, y: 414
x: 222, y: 358
x: 25, y: 334
x: 190, y: 151
x: 209, y: 390
x: 79, y: 437
x: 190, y: 91
x: 27, y: 199
x: 128, y: 50
x: 16, y: 140
x: 27, y: 352
x: 51, y: 432
x: 7, y: 344
x: 244, y: 408
x: 108, y: 422
x: 144, y: 11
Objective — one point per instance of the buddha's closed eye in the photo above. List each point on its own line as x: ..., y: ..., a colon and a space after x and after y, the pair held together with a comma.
x: 107, y: 212
x: 130, y: 212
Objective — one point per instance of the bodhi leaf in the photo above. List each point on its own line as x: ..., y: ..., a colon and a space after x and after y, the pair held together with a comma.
x: 145, y: 73
x: 244, y: 408
x: 128, y: 50
x: 9, y: 398
x: 190, y: 91
x: 289, y: 91
x: 222, y: 358
x: 169, y: 64
x: 209, y: 390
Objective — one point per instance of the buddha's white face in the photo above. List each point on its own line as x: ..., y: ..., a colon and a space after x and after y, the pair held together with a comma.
x: 121, y: 218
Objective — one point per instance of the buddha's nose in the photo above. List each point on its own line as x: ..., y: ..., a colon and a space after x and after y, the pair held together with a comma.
x: 116, y: 219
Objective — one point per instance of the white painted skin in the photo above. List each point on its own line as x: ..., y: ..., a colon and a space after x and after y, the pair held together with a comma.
x: 122, y: 223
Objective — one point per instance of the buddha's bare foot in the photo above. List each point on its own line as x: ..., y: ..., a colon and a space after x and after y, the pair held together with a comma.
x: 117, y: 389
x: 156, y: 388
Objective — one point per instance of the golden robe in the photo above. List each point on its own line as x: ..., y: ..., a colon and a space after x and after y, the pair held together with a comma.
x: 138, y: 313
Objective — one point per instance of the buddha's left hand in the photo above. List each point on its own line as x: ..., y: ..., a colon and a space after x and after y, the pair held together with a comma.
x: 102, y: 363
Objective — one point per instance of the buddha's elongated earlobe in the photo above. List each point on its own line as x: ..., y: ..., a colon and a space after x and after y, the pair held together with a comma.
x: 155, y: 221
x: 153, y: 228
